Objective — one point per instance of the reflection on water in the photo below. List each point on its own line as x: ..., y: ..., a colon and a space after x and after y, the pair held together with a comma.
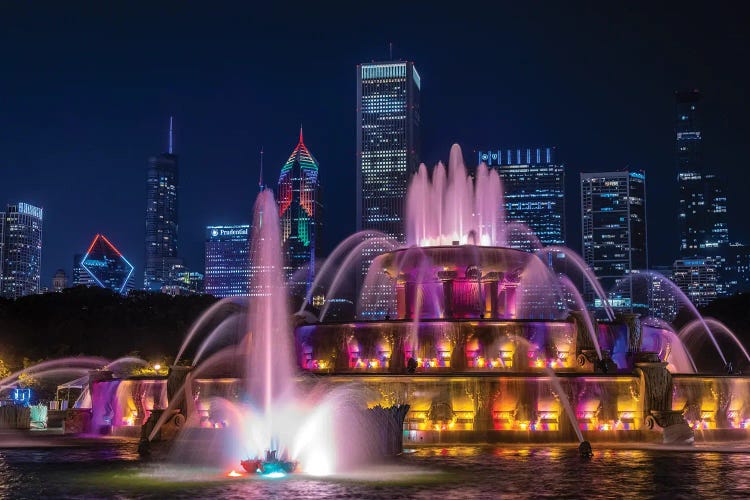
x: 451, y: 472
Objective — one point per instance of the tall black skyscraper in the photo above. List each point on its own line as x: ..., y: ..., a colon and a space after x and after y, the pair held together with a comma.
x: 161, y: 217
x: 703, y: 202
x: 388, y: 128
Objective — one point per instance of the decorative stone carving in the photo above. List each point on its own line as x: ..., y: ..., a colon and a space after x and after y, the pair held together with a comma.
x: 656, y: 391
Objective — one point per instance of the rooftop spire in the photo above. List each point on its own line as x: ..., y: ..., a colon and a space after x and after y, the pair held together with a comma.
x: 171, y: 137
x: 300, y: 134
x: 260, y: 178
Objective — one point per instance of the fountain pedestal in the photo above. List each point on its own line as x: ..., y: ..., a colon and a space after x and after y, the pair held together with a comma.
x: 656, y: 392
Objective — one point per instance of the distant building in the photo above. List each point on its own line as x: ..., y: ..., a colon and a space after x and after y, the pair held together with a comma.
x: 388, y: 129
x: 227, y: 272
x: 697, y: 277
x: 80, y: 275
x: 20, y: 250
x: 59, y: 281
x: 703, y: 214
x: 301, y: 217
x: 182, y: 281
x: 662, y: 302
x: 388, y: 147
x: 161, y: 217
x: 534, y: 194
x: 702, y: 195
x: 107, y: 267
x: 613, y: 206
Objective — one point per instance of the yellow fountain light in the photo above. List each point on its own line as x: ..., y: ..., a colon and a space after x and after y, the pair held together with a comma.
x: 233, y: 473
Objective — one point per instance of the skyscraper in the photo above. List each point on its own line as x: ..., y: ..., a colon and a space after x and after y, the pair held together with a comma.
x: 80, y: 275
x: 703, y: 202
x: 107, y: 267
x: 697, y: 277
x: 161, y: 218
x: 388, y: 140
x: 388, y: 128
x: 613, y: 208
x: 301, y: 217
x: 20, y: 250
x: 534, y: 194
x: 227, y: 272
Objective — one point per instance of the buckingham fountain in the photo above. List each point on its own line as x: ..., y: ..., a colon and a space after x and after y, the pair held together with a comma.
x: 459, y: 338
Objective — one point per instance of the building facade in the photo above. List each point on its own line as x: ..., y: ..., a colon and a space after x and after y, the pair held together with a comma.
x: 107, y: 267
x: 388, y: 145
x: 59, y: 281
x: 388, y: 148
x: 301, y: 217
x: 20, y: 250
x: 697, y: 278
x: 161, y: 218
x: 228, y: 269
x: 534, y: 194
x: 613, y: 207
x: 80, y: 276
x: 702, y: 215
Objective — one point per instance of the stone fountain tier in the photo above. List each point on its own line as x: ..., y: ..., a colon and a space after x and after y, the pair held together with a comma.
x: 409, y: 262
x: 460, y: 281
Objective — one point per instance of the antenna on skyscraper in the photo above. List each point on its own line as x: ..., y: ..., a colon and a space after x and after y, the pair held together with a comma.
x: 171, y: 143
x: 260, y: 178
x: 390, y: 51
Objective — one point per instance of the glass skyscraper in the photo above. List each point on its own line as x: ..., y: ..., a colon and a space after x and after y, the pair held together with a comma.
x: 613, y: 207
x: 107, y: 267
x: 301, y: 217
x: 697, y: 277
x: 161, y: 218
x: 388, y: 147
x: 388, y: 128
x: 703, y: 202
x: 227, y: 272
x: 20, y: 250
x: 534, y: 194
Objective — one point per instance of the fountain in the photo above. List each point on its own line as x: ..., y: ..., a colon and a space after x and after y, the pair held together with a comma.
x: 460, y: 338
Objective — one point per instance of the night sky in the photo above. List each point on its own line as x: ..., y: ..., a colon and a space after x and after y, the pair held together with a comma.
x: 86, y: 94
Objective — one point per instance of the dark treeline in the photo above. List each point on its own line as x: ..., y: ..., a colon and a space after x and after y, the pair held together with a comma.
x: 95, y: 321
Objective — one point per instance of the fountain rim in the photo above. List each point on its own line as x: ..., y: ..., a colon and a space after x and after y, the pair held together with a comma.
x: 492, y: 258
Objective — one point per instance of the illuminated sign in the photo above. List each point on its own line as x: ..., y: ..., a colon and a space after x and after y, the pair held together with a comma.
x: 228, y: 231
x: 21, y: 396
x: 25, y: 208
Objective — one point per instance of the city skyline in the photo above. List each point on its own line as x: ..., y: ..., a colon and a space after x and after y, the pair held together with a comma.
x: 216, y: 164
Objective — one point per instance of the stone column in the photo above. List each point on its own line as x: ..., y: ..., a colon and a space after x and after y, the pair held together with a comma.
x: 447, y: 277
x: 175, y: 380
x: 401, y: 307
x: 491, y: 284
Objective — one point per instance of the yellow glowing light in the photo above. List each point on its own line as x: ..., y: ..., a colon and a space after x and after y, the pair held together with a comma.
x: 480, y: 362
x: 157, y: 367
x: 539, y: 363
x: 233, y: 473
x: 524, y: 425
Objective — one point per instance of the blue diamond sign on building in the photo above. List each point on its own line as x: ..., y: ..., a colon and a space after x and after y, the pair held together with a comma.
x: 107, y: 266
